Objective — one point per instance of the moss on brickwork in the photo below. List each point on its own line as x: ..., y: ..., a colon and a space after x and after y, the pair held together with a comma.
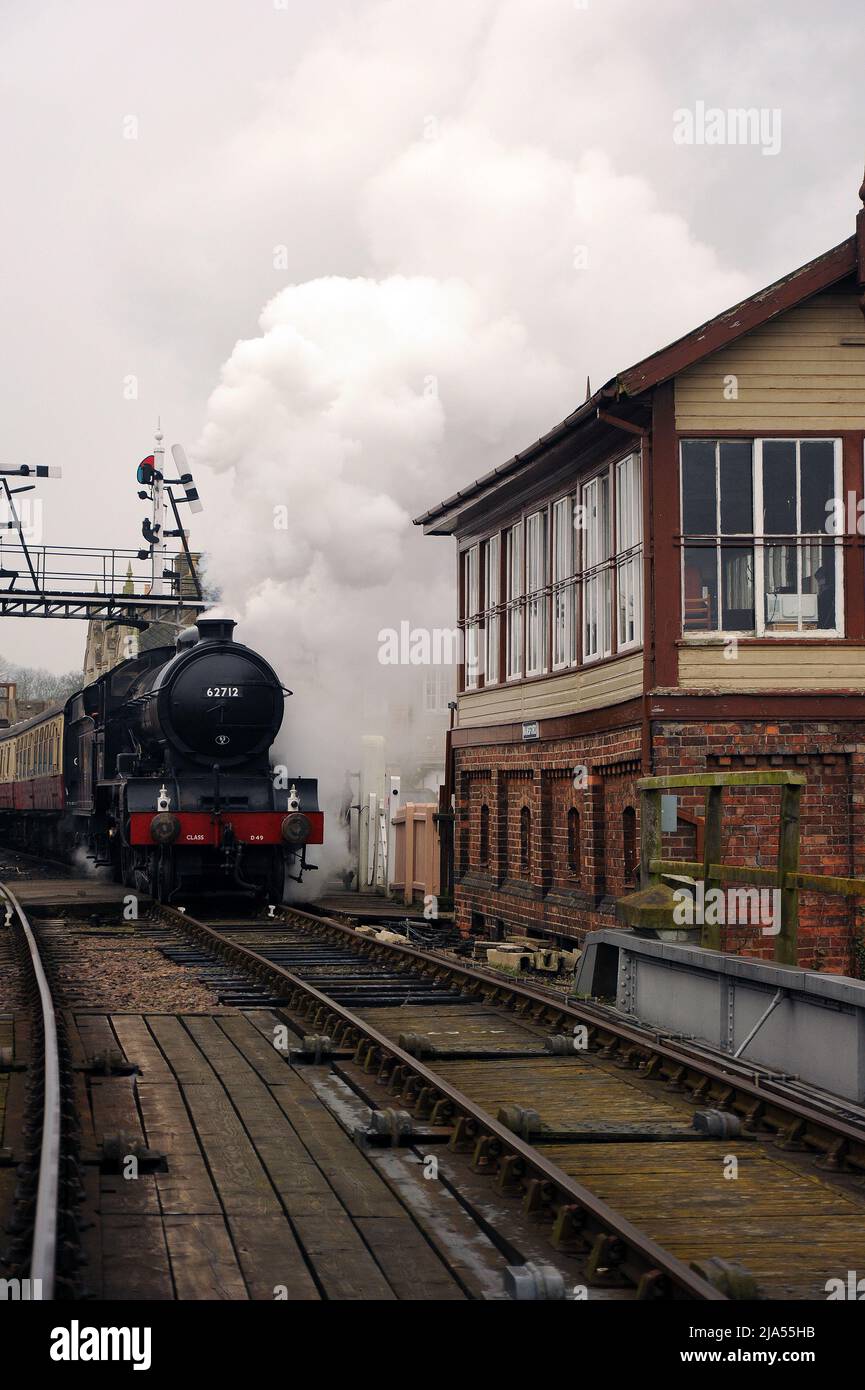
x: 567, y: 895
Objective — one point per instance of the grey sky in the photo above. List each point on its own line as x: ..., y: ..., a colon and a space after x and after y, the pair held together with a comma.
x: 466, y: 143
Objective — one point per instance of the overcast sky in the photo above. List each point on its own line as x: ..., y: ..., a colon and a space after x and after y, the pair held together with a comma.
x: 356, y: 254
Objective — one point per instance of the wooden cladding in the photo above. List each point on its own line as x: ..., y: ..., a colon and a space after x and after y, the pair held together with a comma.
x: 588, y: 687
x: 804, y: 370
x: 772, y: 666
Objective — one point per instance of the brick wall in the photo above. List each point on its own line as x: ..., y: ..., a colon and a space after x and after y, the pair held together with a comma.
x: 595, y: 775
x: 832, y: 757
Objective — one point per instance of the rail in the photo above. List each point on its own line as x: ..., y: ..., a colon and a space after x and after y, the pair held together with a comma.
x: 43, y: 1256
x: 828, y: 1125
x: 576, y: 1212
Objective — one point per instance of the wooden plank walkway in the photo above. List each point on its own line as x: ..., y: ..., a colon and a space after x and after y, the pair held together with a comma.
x: 262, y: 1193
x: 70, y: 892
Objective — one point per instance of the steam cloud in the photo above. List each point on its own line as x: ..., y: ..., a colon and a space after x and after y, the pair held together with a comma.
x: 492, y: 264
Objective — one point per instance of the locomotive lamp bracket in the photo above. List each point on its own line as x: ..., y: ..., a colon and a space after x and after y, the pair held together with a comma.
x: 310, y: 868
x: 163, y: 801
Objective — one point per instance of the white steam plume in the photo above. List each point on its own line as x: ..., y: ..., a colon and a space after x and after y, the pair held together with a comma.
x: 496, y: 272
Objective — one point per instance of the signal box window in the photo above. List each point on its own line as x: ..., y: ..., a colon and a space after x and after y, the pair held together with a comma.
x: 759, y: 554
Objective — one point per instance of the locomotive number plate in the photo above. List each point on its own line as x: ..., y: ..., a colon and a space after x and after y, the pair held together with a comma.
x: 224, y: 692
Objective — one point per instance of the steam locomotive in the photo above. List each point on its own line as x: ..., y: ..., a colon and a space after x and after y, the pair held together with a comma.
x: 161, y: 770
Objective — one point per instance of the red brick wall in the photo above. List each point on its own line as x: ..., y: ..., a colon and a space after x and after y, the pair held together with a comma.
x: 552, y: 898
x: 596, y: 776
x: 833, y: 805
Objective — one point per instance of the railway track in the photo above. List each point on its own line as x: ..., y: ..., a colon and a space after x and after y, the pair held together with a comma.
x: 642, y: 1153
x: 315, y: 1114
x: 259, y: 1171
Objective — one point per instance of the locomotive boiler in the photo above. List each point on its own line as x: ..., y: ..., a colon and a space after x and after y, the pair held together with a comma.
x: 161, y: 769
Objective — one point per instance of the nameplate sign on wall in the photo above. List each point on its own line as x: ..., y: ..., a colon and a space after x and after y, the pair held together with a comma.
x: 532, y: 730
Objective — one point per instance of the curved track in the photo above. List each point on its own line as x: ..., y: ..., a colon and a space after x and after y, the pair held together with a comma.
x: 41, y: 1226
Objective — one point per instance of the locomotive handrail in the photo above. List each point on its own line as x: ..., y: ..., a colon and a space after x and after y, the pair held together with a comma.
x: 44, y: 1242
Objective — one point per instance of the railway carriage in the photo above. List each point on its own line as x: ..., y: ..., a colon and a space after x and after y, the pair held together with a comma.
x: 161, y: 769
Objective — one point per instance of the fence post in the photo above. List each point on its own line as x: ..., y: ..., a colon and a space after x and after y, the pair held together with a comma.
x: 710, y: 936
x: 410, y: 833
x: 786, y: 940
x: 650, y: 835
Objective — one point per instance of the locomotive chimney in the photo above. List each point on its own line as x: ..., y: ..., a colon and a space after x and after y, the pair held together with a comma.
x: 215, y: 629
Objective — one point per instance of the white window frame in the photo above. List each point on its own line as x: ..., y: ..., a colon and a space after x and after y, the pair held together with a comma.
x: 471, y: 589
x: 597, y: 570
x: 758, y: 541
x: 492, y: 599
x: 564, y: 584
x: 514, y: 601
x: 536, y: 588
x: 437, y: 689
x: 629, y: 552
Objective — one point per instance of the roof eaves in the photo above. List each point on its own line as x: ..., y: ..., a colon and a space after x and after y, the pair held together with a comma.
x: 577, y: 417
x: 709, y: 337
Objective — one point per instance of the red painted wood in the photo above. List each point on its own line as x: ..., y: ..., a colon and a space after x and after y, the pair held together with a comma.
x: 664, y: 617
x: 35, y: 794
x: 719, y: 332
x: 854, y: 549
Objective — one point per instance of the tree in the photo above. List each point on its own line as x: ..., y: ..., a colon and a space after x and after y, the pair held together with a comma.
x: 35, y: 683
